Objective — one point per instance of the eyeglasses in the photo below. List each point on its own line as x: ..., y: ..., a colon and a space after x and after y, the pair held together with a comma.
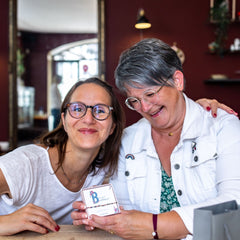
x: 99, y: 111
x: 149, y: 96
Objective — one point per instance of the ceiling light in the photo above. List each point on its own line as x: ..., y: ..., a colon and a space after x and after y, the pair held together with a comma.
x: 142, y: 21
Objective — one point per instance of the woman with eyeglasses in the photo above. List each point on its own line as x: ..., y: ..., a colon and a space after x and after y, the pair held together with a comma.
x: 39, y: 182
x: 175, y: 159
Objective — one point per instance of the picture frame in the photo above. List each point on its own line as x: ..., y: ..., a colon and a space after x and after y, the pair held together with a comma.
x: 232, y: 8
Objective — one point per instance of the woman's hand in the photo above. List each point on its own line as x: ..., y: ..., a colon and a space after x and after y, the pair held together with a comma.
x: 30, y: 217
x: 128, y: 224
x: 134, y: 224
x: 213, y: 105
x: 80, y: 216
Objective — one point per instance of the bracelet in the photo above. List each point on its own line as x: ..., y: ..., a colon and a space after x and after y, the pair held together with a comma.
x: 154, y: 233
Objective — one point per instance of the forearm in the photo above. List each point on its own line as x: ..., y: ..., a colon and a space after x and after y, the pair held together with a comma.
x: 138, y: 225
x: 4, y: 227
x: 171, y: 226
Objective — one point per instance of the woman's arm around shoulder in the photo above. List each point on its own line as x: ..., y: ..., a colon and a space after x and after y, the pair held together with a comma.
x: 212, y: 105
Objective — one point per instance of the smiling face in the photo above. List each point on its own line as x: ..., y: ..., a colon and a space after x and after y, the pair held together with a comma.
x: 87, y: 133
x: 169, y: 108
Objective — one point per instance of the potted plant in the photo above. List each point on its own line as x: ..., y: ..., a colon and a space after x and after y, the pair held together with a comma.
x: 219, y: 15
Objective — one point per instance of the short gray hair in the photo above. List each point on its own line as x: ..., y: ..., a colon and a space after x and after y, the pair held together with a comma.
x: 150, y: 62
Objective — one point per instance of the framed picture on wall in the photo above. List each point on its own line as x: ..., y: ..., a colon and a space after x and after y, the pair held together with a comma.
x: 221, y: 6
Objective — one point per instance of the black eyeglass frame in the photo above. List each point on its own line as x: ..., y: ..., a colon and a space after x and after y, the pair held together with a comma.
x: 86, y: 107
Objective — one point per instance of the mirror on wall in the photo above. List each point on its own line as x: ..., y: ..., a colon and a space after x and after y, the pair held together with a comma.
x: 52, y: 45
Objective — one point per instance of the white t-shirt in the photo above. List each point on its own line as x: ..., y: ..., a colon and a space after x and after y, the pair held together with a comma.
x: 30, y: 177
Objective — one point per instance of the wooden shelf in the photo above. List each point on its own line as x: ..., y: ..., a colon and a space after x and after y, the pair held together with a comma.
x: 222, y: 81
x: 226, y: 52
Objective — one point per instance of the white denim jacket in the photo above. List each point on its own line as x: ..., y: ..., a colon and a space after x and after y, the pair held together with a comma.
x: 205, y: 164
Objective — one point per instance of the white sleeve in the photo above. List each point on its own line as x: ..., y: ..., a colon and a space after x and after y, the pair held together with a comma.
x: 227, y: 170
x: 19, y: 174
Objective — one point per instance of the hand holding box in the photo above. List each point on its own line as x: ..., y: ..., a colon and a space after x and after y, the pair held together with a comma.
x: 100, y: 200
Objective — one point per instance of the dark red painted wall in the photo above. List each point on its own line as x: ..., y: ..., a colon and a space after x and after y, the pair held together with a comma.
x: 4, y: 70
x: 185, y: 22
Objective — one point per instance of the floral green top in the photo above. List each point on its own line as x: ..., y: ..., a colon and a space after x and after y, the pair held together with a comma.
x: 168, y: 195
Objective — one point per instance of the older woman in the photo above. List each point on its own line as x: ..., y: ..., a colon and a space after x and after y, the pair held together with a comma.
x: 176, y: 158
x: 38, y: 183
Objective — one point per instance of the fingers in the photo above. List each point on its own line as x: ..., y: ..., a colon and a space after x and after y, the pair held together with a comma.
x: 30, y: 217
x: 79, y: 216
x: 204, y: 103
x: 35, y: 228
x: 213, y: 105
x: 40, y: 217
x: 106, y: 223
x: 41, y: 224
x: 227, y: 109
x: 89, y: 228
x: 79, y: 205
x: 208, y: 105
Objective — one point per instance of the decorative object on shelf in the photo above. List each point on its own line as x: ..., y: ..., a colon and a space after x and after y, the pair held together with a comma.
x: 219, y: 14
x: 218, y: 76
x: 179, y: 52
x: 235, y: 46
x: 142, y: 21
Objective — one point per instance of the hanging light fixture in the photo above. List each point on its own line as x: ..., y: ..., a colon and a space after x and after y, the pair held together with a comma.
x: 142, y: 21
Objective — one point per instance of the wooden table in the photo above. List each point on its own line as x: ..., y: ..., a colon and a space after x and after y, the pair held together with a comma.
x: 66, y: 232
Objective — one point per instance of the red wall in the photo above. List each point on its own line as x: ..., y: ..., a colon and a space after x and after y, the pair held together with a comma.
x: 4, y: 70
x: 185, y: 22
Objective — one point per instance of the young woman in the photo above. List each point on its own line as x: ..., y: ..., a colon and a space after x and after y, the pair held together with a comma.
x: 39, y: 182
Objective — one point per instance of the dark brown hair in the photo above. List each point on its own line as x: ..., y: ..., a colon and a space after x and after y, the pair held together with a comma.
x: 109, y: 152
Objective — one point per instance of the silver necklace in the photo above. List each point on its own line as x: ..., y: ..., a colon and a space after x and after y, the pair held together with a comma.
x: 69, y: 180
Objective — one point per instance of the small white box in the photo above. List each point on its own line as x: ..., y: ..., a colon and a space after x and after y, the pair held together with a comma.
x: 100, y: 200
